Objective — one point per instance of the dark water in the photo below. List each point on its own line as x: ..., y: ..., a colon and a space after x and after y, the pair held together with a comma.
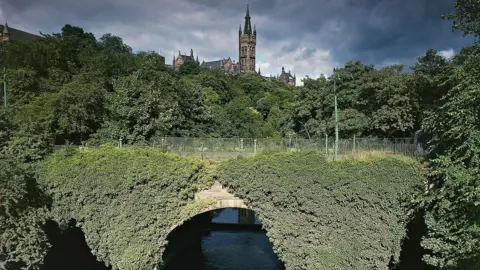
x: 196, y: 245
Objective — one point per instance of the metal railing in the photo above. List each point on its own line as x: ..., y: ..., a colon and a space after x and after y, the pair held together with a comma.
x: 228, y: 147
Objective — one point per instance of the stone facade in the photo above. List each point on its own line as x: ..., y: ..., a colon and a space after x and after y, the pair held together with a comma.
x: 182, y: 59
x: 247, y: 43
x: 287, y: 77
x: 222, y: 197
x: 228, y: 65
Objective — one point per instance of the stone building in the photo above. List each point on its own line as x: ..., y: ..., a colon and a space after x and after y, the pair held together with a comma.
x: 9, y: 33
x: 247, y: 43
x: 182, y: 59
x: 228, y: 65
x: 287, y: 77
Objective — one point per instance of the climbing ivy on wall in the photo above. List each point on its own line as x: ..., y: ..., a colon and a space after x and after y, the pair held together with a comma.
x: 125, y: 200
x: 328, y: 215
x: 318, y: 214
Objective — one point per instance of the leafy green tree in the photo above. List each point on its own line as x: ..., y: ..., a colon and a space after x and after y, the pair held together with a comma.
x: 312, y: 109
x: 5, y: 127
x: 23, y: 243
x: 452, y: 200
x: 34, y: 129
x: 218, y: 83
x: 397, y: 105
x: 79, y: 108
x: 139, y: 109
x: 189, y: 68
x: 191, y: 114
x: 452, y: 217
x: 455, y: 126
x: 466, y: 18
x: 430, y: 81
x: 245, y: 120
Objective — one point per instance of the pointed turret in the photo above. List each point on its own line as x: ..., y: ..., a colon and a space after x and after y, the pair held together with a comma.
x: 240, y: 30
x: 173, y: 59
x: 5, y: 29
x: 191, y: 53
x: 259, y: 72
x: 254, y: 29
x: 247, y: 30
x: 197, y: 59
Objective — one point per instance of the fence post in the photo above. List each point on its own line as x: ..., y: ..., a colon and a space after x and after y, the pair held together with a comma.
x: 255, y: 146
x: 120, y: 143
x: 241, y: 144
x: 354, y: 143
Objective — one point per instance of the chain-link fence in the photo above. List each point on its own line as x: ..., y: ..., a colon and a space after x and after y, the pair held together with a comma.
x: 228, y: 147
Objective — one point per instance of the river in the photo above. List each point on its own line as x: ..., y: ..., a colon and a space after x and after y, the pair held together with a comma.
x: 199, y: 245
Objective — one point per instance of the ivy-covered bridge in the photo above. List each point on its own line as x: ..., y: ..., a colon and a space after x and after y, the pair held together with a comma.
x: 318, y: 214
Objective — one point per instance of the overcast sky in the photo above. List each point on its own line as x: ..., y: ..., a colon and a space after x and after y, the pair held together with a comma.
x: 308, y: 37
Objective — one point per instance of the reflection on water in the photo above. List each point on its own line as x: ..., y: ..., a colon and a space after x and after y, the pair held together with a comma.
x: 204, y: 248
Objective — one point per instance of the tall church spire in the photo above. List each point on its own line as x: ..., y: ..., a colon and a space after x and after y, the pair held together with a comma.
x: 247, y: 30
x: 5, y: 29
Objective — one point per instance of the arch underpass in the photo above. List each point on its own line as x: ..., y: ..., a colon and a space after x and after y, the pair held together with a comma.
x: 224, y: 238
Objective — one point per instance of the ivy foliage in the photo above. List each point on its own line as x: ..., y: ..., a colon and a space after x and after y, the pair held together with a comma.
x: 328, y: 215
x: 125, y: 200
x: 318, y: 215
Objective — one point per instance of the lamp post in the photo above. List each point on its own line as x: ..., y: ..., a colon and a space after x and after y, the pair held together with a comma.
x: 336, y: 112
x: 336, y: 116
x: 4, y: 87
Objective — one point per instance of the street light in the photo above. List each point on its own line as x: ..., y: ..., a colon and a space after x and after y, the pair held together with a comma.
x: 4, y: 87
x: 336, y: 112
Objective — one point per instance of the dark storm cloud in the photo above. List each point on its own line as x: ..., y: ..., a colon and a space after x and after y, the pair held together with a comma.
x: 308, y: 36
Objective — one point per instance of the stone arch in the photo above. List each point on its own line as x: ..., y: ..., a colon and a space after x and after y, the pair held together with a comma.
x: 222, y: 197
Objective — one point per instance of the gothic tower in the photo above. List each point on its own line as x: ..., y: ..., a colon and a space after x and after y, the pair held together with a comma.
x: 247, y: 42
x: 5, y: 35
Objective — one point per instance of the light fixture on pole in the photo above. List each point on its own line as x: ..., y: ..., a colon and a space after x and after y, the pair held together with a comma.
x: 336, y: 112
x: 4, y: 87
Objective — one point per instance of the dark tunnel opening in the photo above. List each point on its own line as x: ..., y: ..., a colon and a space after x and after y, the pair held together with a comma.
x: 412, y: 251
x: 69, y: 249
